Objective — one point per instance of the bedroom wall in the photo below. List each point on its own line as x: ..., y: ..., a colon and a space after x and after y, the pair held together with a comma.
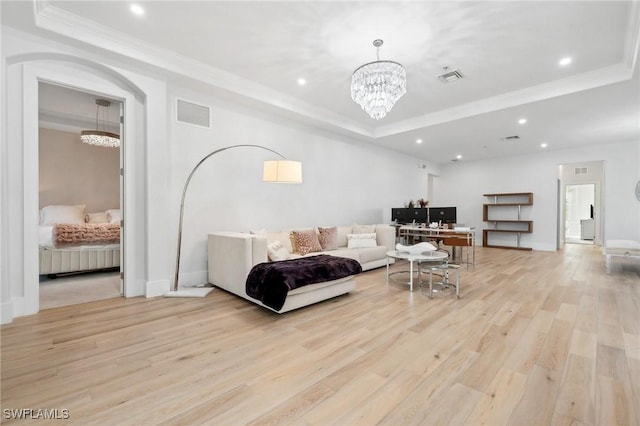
x: 463, y: 183
x: 72, y: 172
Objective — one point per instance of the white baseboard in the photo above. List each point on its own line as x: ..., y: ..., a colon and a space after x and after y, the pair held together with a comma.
x: 156, y: 288
x: 6, y: 312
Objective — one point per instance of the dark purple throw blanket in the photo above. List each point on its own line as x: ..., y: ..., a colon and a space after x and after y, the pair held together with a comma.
x: 270, y: 282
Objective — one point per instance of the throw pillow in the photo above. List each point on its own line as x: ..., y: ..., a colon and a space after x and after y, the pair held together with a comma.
x: 361, y: 240
x: 276, y: 251
x: 306, y: 241
x: 328, y: 238
x: 364, y: 229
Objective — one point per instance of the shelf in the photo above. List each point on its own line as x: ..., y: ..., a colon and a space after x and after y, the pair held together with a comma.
x: 528, y: 223
x: 523, y: 198
x: 504, y: 203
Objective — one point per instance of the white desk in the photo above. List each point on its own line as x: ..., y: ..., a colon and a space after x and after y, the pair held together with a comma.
x: 456, y: 238
x: 433, y: 257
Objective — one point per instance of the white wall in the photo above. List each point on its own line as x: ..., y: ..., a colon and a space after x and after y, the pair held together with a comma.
x: 72, y: 172
x: 463, y: 183
x: 344, y: 181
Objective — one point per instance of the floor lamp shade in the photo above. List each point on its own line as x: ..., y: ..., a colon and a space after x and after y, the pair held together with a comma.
x: 282, y: 171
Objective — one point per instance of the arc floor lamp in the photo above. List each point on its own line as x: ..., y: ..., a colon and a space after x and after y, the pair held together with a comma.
x: 278, y: 171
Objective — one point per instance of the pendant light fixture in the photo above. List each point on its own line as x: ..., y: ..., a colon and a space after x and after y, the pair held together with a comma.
x: 376, y: 86
x: 99, y: 137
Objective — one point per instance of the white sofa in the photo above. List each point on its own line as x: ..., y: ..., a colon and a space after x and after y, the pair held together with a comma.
x: 231, y: 255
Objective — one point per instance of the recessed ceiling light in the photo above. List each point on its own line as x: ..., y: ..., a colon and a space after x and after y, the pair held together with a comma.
x: 418, y: 141
x: 136, y: 9
x: 564, y: 61
x: 302, y: 82
x: 522, y: 121
x: 458, y: 156
x: 543, y: 145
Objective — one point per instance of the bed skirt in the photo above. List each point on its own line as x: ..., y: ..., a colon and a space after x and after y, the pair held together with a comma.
x: 58, y: 261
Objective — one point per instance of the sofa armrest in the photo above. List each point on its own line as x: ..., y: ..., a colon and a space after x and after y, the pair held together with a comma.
x: 231, y: 255
x: 386, y: 236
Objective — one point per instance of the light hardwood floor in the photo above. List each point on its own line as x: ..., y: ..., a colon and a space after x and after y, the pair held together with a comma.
x: 537, y: 338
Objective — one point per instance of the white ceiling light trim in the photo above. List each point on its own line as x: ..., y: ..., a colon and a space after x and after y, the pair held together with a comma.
x: 378, y: 85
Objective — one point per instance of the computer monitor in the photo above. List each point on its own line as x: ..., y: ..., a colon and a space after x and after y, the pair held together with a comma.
x: 399, y: 215
x: 442, y: 214
x: 419, y: 215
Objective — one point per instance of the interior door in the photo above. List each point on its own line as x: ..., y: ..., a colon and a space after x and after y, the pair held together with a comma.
x: 122, y: 206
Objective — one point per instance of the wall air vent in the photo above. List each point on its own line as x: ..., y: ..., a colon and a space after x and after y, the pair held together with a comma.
x: 580, y: 170
x: 193, y: 114
x: 449, y: 76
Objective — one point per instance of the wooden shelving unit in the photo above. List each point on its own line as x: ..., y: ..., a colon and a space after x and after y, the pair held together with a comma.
x: 504, y: 203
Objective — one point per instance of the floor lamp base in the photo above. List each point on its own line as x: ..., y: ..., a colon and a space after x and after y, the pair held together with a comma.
x: 190, y: 292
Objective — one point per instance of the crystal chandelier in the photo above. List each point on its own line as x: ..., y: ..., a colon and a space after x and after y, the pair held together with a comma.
x: 101, y: 137
x: 378, y: 85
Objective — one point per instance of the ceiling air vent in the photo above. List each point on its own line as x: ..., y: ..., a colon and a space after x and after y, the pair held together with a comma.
x: 450, y: 76
x: 511, y: 138
x: 581, y: 170
x: 193, y: 114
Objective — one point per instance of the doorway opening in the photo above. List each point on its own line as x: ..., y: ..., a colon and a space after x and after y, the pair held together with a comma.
x: 84, y: 180
x: 580, y: 213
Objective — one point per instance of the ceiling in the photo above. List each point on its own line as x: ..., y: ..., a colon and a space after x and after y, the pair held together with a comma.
x: 255, y: 52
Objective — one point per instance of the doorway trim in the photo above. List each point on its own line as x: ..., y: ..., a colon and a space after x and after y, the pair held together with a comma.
x: 33, y: 73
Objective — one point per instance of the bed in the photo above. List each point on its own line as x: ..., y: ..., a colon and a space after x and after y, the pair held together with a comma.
x: 621, y: 248
x: 72, y: 241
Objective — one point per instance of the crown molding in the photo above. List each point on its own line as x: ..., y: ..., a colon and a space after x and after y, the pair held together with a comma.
x: 72, y: 122
x: 59, y: 21
x: 589, y: 80
x: 632, y: 37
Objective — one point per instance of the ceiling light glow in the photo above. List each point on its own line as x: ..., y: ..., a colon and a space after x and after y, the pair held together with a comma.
x: 136, y: 9
x: 458, y: 156
x: 302, y: 82
x: 418, y: 141
x: 564, y: 61
x: 522, y: 121
x: 543, y: 145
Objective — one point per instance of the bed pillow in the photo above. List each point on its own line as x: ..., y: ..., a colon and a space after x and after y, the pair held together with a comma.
x: 306, y: 241
x: 328, y: 238
x: 276, y: 251
x: 50, y: 215
x: 101, y: 217
x: 114, y: 215
x: 361, y: 240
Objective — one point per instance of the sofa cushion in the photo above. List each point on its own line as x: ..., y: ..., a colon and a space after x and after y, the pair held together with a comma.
x: 283, y: 237
x: 277, y: 251
x: 364, y: 229
x: 371, y: 254
x: 328, y: 238
x: 306, y: 241
x: 361, y: 240
x: 342, y: 235
x: 345, y: 252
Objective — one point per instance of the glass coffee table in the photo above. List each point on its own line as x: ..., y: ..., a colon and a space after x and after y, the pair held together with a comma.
x: 432, y: 258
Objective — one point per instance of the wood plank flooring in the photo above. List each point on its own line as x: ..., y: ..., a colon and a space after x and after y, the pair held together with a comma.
x: 536, y: 338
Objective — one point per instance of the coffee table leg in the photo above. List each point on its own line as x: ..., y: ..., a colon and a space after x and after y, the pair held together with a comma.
x: 410, y: 275
x: 387, y: 269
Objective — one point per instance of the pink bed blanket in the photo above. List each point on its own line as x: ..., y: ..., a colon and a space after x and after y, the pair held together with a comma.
x: 86, y: 234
